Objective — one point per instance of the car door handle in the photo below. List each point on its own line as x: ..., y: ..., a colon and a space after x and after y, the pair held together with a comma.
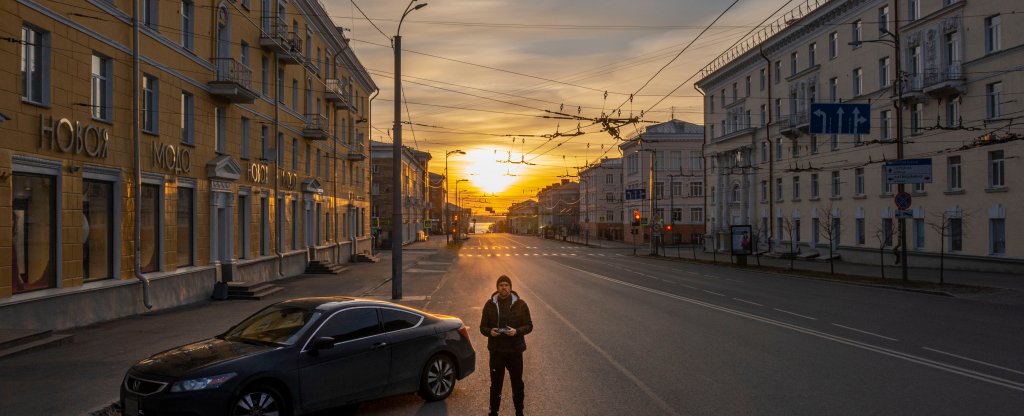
x: 379, y: 345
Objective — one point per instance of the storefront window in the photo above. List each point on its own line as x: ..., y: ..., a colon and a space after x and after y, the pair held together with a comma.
x: 97, y: 230
x: 149, y: 202
x: 34, y: 234
x: 186, y: 225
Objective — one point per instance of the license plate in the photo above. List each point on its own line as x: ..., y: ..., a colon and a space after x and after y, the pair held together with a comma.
x: 131, y: 406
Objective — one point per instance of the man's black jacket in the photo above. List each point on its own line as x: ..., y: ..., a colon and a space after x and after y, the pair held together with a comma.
x: 519, y: 319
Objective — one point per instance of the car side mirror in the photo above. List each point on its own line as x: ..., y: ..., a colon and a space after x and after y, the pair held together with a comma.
x: 322, y: 343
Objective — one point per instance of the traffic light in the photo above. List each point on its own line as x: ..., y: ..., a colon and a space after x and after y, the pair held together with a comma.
x: 456, y: 218
x: 668, y: 227
x: 636, y: 217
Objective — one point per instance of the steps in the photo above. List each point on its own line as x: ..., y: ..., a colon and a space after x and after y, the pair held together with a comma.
x: 323, y: 267
x: 251, y: 290
x: 366, y: 258
x: 16, y: 341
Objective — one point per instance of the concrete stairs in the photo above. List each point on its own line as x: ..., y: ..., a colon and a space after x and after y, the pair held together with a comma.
x: 251, y: 290
x: 366, y: 258
x: 324, y: 267
x: 16, y: 341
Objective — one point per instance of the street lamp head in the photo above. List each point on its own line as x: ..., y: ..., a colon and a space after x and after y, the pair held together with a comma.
x: 420, y: 6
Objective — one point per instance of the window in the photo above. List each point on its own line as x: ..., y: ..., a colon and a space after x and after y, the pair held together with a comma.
x: 711, y: 104
x: 696, y: 215
x: 35, y: 65
x: 747, y: 86
x: 793, y: 57
x: 187, y: 23
x: 764, y: 78
x: 815, y: 230
x: 885, y: 125
x: 609, y: 178
x: 150, y: 13
x: 609, y: 216
x: 395, y: 320
x: 735, y: 92
x: 993, y: 98
x: 609, y: 197
x: 677, y: 189
x: 696, y: 188
x: 295, y: 154
x: 914, y: 53
x: 954, y: 173
x: 858, y: 181
x: 796, y: 231
x: 245, y: 138
x: 956, y: 234
x: 857, y: 81
x: 280, y: 84
x: 833, y: 89
x: 351, y: 324
x: 833, y: 45
x: 150, y: 105
x: 34, y: 231
x: 919, y: 229
x: 996, y: 169
x: 778, y: 71
x: 264, y: 75
x: 778, y: 108
x: 796, y: 188
x: 764, y: 191
x: 992, y: 41
x: 812, y: 54
x: 919, y: 188
x: 913, y: 10
x: 778, y: 189
x: 778, y: 149
x: 244, y: 46
x: 188, y: 119
x: 883, y: 21
x: 814, y: 186
x: 858, y: 228
x: 220, y: 129
x: 814, y: 144
x: 737, y: 196
x: 295, y: 94
x: 997, y: 236
x: 186, y: 226
x: 764, y: 151
x: 102, y: 87
x: 764, y: 118
x: 264, y: 142
x: 723, y: 103
x: 834, y: 140
x: 98, y: 230
x: 887, y: 232
x: 677, y: 215
x: 883, y: 72
x: 953, y: 112
x: 855, y: 31
x: 916, y: 118
x: 309, y: 153
x: 836, y: 191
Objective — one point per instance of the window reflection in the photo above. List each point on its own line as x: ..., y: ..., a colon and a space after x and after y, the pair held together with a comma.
x: 97, y: 230
x: 150, y: 212
x: 33, y: 232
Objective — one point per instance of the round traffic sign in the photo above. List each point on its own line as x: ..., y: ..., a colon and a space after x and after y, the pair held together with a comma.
x: 903, y: 200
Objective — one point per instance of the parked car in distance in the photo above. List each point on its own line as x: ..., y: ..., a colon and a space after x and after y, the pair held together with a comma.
x: 305, y: 355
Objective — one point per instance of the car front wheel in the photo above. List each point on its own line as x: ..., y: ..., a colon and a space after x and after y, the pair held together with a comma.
x: 260, y: 401
x: 438, y: 380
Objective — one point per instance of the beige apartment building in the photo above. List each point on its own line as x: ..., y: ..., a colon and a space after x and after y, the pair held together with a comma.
x: 666, y: 163
x: 957, y: 89
x: 141, y: 163
x: 601, y: 213
x: 414, y: 192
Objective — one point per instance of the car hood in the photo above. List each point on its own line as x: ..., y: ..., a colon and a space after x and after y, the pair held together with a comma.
x: 185, y: 359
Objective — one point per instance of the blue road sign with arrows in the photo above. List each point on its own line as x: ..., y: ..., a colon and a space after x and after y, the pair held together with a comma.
x: 840, y: 118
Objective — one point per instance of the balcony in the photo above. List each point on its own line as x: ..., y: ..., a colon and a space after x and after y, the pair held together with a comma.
x: 294, y: 54
x: 275, y: 37
x: 356, y: 152
x: 232, y: 81
x: 798, y: 123
x: 913, y: 88
x: 336, y: 93
x: 316, y: 127
x: 951, y: 81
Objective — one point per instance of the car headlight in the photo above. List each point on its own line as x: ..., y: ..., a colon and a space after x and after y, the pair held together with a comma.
x: 202, y: 383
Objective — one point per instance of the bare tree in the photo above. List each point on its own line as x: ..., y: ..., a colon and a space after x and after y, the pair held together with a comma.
x: 789, y: 229
x: 828, y: 225
x: 947, y: 224
x: 885, y: 235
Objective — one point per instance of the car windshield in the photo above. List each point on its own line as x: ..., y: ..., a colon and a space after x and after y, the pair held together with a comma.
x: 278, y: 325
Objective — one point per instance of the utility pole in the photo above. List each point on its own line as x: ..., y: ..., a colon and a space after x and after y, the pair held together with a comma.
x: 899, y: 132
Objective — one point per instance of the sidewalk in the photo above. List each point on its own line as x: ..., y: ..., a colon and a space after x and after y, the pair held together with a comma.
x: 85, y: 375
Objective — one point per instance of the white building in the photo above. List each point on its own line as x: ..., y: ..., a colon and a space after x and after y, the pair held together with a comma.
x: 676, y: 182
x: 601, y: 213
x: 961, y: 76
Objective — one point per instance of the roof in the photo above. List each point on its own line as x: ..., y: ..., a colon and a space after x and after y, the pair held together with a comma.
x: 675, y: 127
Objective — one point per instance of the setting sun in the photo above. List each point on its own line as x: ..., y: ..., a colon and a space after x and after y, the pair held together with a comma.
x: 487, y: 174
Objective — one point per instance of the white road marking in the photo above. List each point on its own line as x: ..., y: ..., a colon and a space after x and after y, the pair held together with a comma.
x: 865, y: 332
x: 713, y: 293
x: 747, y: 301
x: 974, y: 361
x: 988, y: 378
x: 796, y: 314
x: 687, y: 286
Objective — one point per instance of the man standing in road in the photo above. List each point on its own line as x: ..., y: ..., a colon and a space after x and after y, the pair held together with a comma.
x: 505, y: 322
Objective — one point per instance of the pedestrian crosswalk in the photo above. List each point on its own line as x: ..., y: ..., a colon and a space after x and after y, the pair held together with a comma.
x: 514, y: 247
x: 529, y: 254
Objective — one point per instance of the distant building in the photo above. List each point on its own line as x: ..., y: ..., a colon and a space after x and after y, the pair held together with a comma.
x: 601, y: 208
x: 806, y: 192
x: 560, y: 208
x: 435, y: 210
x: 522, y: 217
x: 414, y: 192
x: 675, y: 183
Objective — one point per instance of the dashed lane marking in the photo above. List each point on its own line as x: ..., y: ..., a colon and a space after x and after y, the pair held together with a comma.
x: 865, y: 332
x: 796, y: 314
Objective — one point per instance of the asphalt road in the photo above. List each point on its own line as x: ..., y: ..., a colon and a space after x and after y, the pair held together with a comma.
x: 616, y: 334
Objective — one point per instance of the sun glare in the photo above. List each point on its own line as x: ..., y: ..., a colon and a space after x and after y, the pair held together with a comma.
x: 487, y: 174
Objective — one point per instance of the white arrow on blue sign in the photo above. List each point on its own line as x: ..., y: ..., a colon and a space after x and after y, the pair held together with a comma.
x: 840, y: 118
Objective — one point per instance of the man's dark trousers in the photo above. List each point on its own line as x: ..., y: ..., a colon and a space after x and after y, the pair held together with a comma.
x: 513, y: 361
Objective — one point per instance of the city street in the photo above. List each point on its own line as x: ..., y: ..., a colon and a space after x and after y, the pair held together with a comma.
x: 616, y: 334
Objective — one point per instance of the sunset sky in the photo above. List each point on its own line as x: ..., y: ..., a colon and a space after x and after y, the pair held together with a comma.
x: 478, y: 76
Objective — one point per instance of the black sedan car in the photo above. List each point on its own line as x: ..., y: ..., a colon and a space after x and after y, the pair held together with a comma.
x: 304, y: 355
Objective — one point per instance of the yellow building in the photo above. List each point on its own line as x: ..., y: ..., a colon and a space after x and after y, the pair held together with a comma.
x: 142, y: 163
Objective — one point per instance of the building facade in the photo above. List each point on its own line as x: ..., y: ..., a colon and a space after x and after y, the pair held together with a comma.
x: 436, y: 198
x: 664, y: 168
x: 951, y: 102
x: 522, y: 218
x: 415, y: 206
x: 143, y: 163
x: 559, y: 208
x: 601, y: 212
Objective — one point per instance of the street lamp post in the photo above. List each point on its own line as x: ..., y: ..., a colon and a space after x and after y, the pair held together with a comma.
x: 447, y: 221
x: 898, y: 103
x: 396, y: 165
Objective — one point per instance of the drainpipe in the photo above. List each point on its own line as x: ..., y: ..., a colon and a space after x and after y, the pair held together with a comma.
x: 771, y: 151
x: 277, y: 166
x: 138, y: 158
x: 703, y: 157
x: 369, y: 180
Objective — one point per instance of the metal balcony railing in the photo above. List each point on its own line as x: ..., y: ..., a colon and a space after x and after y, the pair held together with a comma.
x: 230, y: 70
x: 952, y: 72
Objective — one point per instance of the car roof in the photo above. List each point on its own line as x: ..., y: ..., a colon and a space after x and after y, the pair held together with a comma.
x: 331, y: 303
